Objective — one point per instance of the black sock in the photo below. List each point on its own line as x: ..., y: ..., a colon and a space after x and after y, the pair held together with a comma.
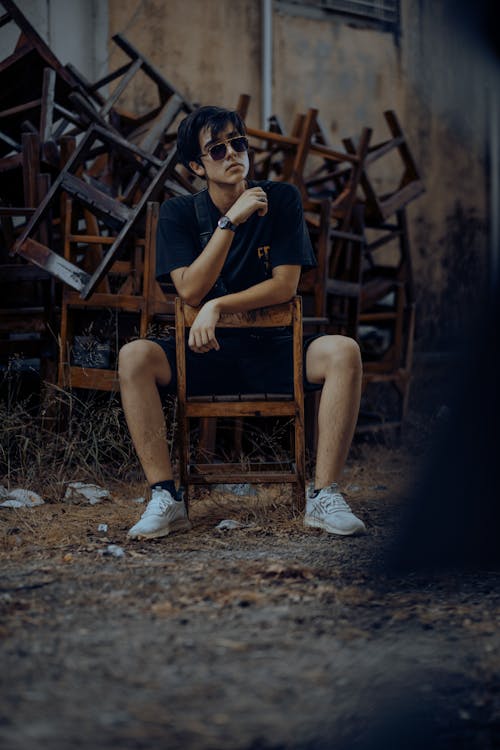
x: 167, y: 484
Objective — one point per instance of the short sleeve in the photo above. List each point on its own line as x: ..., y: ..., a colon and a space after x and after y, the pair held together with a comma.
x: 290, y: 241
x: 177, y: 240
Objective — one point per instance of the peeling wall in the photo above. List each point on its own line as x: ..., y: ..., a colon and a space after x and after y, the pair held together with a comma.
x: 75, y: 30
x: 209, y: 49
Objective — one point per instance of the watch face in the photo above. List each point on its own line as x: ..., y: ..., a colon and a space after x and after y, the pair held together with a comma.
x: 225, y: 223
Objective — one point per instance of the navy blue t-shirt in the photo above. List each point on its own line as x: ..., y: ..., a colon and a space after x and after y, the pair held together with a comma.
x: 260, y: 244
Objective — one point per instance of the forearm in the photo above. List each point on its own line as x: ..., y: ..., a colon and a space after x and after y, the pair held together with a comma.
x: 270, y: 292
x: 195, y: 281
x: 280, y: 288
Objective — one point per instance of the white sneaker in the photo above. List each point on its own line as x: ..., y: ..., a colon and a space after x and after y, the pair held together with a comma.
x: 163, y: 515
x: 329, y: 511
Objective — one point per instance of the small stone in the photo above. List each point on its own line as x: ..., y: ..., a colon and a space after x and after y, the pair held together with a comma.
x: 102, y: 527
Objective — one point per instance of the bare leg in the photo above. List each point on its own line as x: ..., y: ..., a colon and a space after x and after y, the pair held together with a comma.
x: 142, y: 366
x: 334, y: 361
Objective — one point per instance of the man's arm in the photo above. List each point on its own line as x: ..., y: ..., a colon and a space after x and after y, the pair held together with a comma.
x: 280, y: 288
x: 193, y: 282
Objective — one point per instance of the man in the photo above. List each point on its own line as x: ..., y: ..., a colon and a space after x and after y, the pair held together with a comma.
x: 252, y: 257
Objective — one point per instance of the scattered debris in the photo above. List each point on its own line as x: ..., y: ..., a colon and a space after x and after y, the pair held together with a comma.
x: 102, y: 527
x: 20, y: 499
x: 228, y: 524
x: 79, y: 492
x: 241, y: 490
x: 112, y: 550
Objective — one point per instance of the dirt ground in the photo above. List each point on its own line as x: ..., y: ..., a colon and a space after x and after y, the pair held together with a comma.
x: 267, y: 636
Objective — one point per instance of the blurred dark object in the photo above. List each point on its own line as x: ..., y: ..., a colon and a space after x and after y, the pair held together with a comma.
x: 453, y: 519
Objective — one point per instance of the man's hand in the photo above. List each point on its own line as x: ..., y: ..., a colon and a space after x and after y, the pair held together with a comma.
x: 202, y: 333
x: 251, y: 201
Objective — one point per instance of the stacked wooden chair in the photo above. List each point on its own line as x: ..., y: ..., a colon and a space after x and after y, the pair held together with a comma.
x: 370, y: 277
x: 66, y: 145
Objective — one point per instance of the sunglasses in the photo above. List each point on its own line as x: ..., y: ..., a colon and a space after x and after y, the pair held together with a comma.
x: 218, y: 151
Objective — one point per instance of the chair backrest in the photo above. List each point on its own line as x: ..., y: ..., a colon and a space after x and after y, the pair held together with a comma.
x: 287, y: 314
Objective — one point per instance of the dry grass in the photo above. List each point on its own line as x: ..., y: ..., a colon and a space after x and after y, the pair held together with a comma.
x: 61, y: 437
x: 81, y: 436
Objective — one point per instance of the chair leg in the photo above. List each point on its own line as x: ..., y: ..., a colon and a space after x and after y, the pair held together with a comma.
x: 183, y: 451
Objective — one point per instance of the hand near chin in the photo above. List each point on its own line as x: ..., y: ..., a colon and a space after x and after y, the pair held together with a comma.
x: 202, y: 334
x: 253, y: 200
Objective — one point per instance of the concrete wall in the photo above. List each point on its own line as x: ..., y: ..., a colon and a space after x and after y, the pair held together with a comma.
x: 76, y: 31
x: 209, y: 49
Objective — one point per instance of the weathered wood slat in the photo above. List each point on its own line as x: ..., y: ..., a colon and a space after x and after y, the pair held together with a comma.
x: 96, y: 200
x: 53, y: 263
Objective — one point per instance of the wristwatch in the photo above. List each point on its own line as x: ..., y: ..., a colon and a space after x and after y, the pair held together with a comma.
x: 226, y: 223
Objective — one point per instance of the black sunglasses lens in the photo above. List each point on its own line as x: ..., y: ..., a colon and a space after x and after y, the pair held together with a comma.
x: 240, y: 144
x: 218, y: 151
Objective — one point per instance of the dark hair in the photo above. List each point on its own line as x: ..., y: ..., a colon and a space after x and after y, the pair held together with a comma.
x: 214, y: 118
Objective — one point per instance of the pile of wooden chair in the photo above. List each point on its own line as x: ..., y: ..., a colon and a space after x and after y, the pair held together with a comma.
x: 363, y: 285
x: 81, y: 179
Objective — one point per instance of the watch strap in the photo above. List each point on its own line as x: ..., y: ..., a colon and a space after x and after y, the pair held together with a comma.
x: 226, y: 223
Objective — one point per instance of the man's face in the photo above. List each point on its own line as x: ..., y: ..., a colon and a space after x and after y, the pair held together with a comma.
x: 230, y: 170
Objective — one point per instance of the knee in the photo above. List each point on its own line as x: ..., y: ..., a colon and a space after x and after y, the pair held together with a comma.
x: 344, y: 353
x: 135, y: 358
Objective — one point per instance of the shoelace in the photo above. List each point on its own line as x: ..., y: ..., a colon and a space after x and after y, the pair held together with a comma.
x: 158, y: 504
x: 332, y: 502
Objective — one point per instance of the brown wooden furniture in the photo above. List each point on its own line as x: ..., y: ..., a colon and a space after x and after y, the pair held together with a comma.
x: 380, y: 206
x: 244, y: 405
x: 282, y: 157
x: 101, y: 108
x: 338, y: 231
x: 116, y: 199
x: 123, y: 307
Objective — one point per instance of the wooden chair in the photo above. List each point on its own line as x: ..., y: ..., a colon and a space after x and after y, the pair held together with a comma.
x: 380, y: 206
x: 243, y: 405
x: 119, y: 206
x: 338, y: 233
x: 102, y: 107
x: 126, y: 302
x: 282, y: 157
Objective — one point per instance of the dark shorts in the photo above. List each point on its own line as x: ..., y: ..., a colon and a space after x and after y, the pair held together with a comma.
x: 248, y: 361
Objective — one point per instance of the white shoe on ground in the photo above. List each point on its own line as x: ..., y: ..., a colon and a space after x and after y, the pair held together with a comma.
x: 162, y: 516
x: 329, y: 511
